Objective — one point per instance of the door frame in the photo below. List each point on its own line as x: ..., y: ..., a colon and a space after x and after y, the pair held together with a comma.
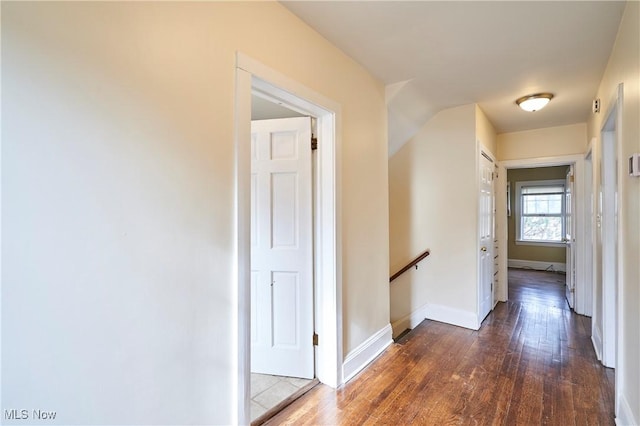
x: 611, y: 268
x: 590, y: 229
x: 570, y: 253
x: 253, y: 76
x: 581, y: 265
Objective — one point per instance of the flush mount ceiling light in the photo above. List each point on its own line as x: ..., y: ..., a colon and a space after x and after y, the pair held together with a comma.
x: 535, y: 102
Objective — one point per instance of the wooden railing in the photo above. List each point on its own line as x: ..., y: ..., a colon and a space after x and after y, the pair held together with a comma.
x: 414, y: 262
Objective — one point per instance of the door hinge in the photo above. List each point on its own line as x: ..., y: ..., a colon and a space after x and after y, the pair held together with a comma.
x: 315, y: 339
x: 314, y: 143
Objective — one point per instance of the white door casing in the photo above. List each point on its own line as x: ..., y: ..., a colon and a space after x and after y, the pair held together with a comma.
x: 608, y: 230
x: 485, y: 233
x: 495, y: 288
x: 569, y: 237
x: 590, y: 227
x: 251, y: 77
x: 281, y: 248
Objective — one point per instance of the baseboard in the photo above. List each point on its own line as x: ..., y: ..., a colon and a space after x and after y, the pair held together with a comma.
x: 596, y: 340
x: 361, y: 356
x: 625, y: 415
x: 538, y: 266
x: 409, y: 321
x: 452, y: 316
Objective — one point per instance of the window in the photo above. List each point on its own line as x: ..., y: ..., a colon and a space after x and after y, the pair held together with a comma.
x: 540, y: 211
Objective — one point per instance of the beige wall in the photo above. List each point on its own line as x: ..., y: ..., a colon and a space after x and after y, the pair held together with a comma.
x: 547, y: 142
x: 433, y: 204
x: 624, y: 67
x: 529, y: 252
x: 485, y: 133
x: 118, y: 201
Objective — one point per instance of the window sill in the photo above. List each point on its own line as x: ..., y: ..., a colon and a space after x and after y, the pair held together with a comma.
x: 541, y: 243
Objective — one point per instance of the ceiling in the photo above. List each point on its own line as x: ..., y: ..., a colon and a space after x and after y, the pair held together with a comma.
x: 264, y: 109
x: 437, y: 55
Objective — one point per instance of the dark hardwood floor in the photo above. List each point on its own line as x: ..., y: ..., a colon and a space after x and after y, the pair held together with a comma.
x: 531, y: 363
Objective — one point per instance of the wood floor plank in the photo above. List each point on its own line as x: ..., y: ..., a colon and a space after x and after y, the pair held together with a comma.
x: 531, y: 363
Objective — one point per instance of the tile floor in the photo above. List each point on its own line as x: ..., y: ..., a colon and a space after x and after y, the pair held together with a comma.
x: 267, y: 391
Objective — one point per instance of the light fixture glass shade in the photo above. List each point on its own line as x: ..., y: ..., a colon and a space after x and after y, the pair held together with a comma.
x: 535, y: 102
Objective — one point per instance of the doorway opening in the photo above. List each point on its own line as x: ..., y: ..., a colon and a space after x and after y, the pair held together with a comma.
x: 608, y: 238
x: 570, y: 172
x: 540, y: 224
x: 255, y: 79
x: 282, y: 290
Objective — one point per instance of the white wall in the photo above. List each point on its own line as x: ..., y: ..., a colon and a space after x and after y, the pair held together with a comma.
x: 117, y: 192
x: 546, y: 142
x: 624, y: 67
x: 433, y: 204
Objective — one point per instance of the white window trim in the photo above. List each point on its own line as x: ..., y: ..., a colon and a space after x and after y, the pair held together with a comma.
x: 549, y: 182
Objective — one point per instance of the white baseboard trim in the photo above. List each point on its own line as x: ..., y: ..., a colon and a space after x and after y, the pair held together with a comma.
x: 625, y: 414
x: 452, y: 316
x: 596, y: 340
x: 366, y: 352
x: 409, y: 321
x: 538, y: 266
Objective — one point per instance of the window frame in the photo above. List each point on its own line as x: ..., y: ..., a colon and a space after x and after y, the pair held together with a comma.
x: 518, y: 218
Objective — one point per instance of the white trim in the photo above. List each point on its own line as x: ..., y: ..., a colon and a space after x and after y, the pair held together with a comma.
x: 526, y: 163
x: 588, y: 302
x: 241, y: 279
x: 612, y: 244
x: 409, y: 321
x: 537, y: 265
x: 296, y: 94
x: 366, y: 352
x: 611, y: 238
x: 452, y: 316
x: 439, y: 313
x: 254, y: 76
x: 624, y: 416
x: 596, y: 340
x: 540, y: 243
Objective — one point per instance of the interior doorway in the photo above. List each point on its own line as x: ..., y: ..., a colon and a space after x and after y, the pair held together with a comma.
x: 540, y: 222
x: 282, y: 290
x: 578, y: 162
x: 608, y: 236
x: 254, y: 78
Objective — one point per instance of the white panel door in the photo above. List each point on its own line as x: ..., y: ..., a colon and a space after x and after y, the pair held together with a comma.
x: 486, y: 232
x: 569, y: 238
x: 281, y: 248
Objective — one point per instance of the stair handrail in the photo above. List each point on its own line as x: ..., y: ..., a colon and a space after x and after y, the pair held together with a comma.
x: 411, y: 264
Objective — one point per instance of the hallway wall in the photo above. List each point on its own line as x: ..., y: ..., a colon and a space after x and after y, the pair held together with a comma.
x: 433, y: 199
x: 624, y: 67
x: 546, y: 142
x: 119, y: 294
